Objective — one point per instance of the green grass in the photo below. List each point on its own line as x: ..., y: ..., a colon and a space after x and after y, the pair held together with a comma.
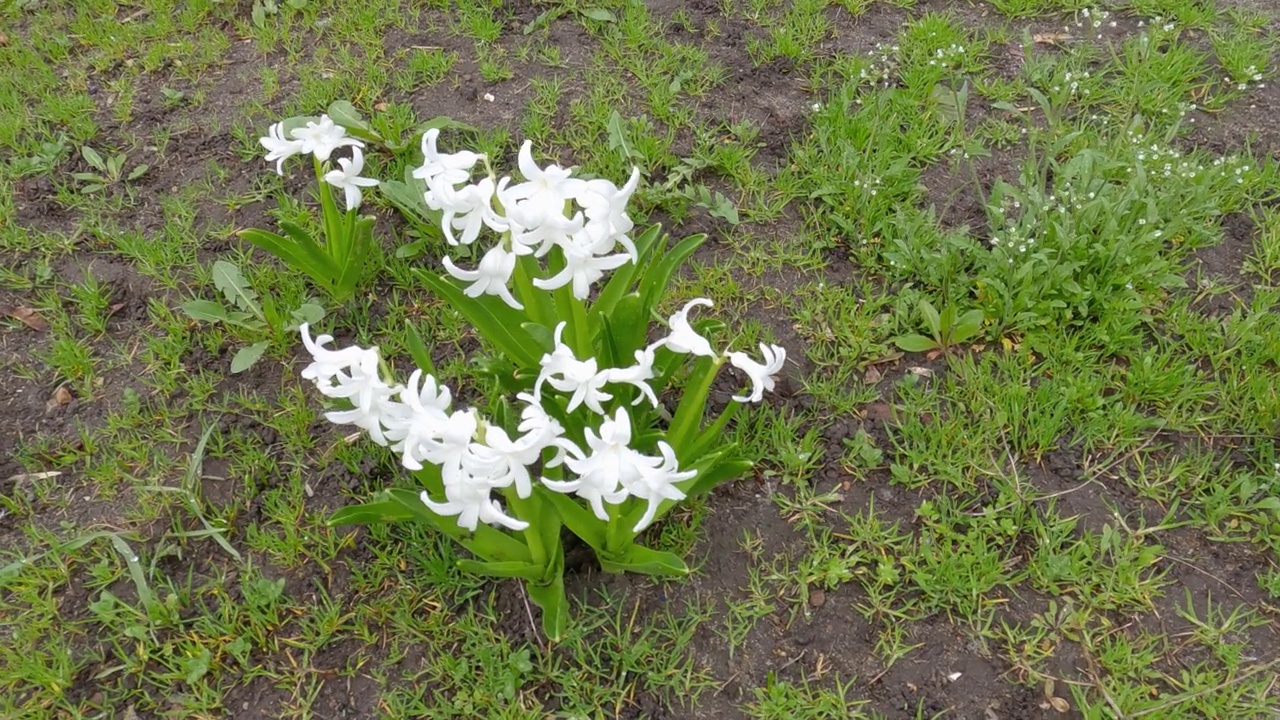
x: 1083, y: 496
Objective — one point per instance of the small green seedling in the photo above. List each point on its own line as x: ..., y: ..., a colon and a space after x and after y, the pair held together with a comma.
x: 110, y: 170
x: 243, y: 309
x: 945, y: 329
x: 263, y: 8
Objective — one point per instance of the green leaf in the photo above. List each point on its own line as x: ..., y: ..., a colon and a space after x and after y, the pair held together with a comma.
x: 931, y: 318
x: 506, y: 569
x: 228, y: 280
x: 372, y: 513
x: 89, y: 177
x: 308, y: 312
x: 618, y: 135
x: 555, y: 607
x: 620, y: 283
x: 654, y: 282
x: 204, y: 310
x: 407, y: 197
x: 346, y: 115
x: 493, y: 319
x: 137, y: 172
x: 92, y: 157
x: 647, y: 561
x: 580, y: 521
x: 418, y: 349
x: 969, y: 325
x: 682, y: 433
x: 599, y: 15
x: 719, y: 471
x: 88, y: 189
x: 541, y: 334
x: 247, y: 356
x: 915, y: 343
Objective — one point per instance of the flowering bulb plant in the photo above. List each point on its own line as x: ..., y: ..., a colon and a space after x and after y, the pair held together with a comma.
x: 338, y: 264
x: 577, y: 437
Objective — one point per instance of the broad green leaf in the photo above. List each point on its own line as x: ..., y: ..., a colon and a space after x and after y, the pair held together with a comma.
x: 969, y: 325
x: 204, y: 310
x: 654, y: 282
x: 682, y: 433
x: 308, y: 312
x: 496, y: 323
x: 407, y: 197
x: 506, y: 569
x: 620, y: 283
x: 647, y: 561
x: 719, y: 472
x: 599, y: 15
x: 228, y: 280
x: 92, y: 157
x: 618, y: 135
x: 915, y: 343
x: 371, y: 513
x: 88, y: 189
x: 555, y: 607
x: 247, y: 356
x: 580, y: 521
x: 137, y: 172
x: 931, y: 318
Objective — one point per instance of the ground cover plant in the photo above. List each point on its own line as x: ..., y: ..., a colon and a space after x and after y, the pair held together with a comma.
x: 1020, y: 460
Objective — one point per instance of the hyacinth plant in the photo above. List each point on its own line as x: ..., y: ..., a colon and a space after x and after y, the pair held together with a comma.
x: 577, y: 436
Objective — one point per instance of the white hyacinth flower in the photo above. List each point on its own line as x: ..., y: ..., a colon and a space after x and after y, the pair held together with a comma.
x: 682, y: 337
x: 415, y: 431
x: 490, y: 277
x: 761, y: 374
x: 326, y: 363
x: 638, y: 375
x: 468, y: 209
x: 602, y: 472
x: 323, y: 137
x: 544, y: 189
x: 471, y: 502
x: 352, y: 374
x: 279, y: 148
x: 451, y: 169
x: 348, y: 178
x: 585, y: 263
x: 656, y: 483
x: 606, y: 206
x: 566, y: 373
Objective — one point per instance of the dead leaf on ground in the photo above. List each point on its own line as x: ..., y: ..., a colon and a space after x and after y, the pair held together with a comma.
x: 873, y: 376
x: 114, y: 308
x: 1059, y: 704
x: 4, y: 39
x: 25, y: 315
x: 1049, y: 38
x: 921, y: 372
x: 817, y: 598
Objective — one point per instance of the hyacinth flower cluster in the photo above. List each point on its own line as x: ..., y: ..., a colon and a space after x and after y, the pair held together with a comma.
x: 594, y: 423
x: 338, y: 263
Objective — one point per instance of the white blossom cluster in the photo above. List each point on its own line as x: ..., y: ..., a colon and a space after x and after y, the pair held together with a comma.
x: 477, y: 458
x: 586, y: 219
x: 588, y: 222
x: 320, y: 138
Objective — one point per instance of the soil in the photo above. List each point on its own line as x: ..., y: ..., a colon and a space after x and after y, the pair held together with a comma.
x: 948, y: 673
